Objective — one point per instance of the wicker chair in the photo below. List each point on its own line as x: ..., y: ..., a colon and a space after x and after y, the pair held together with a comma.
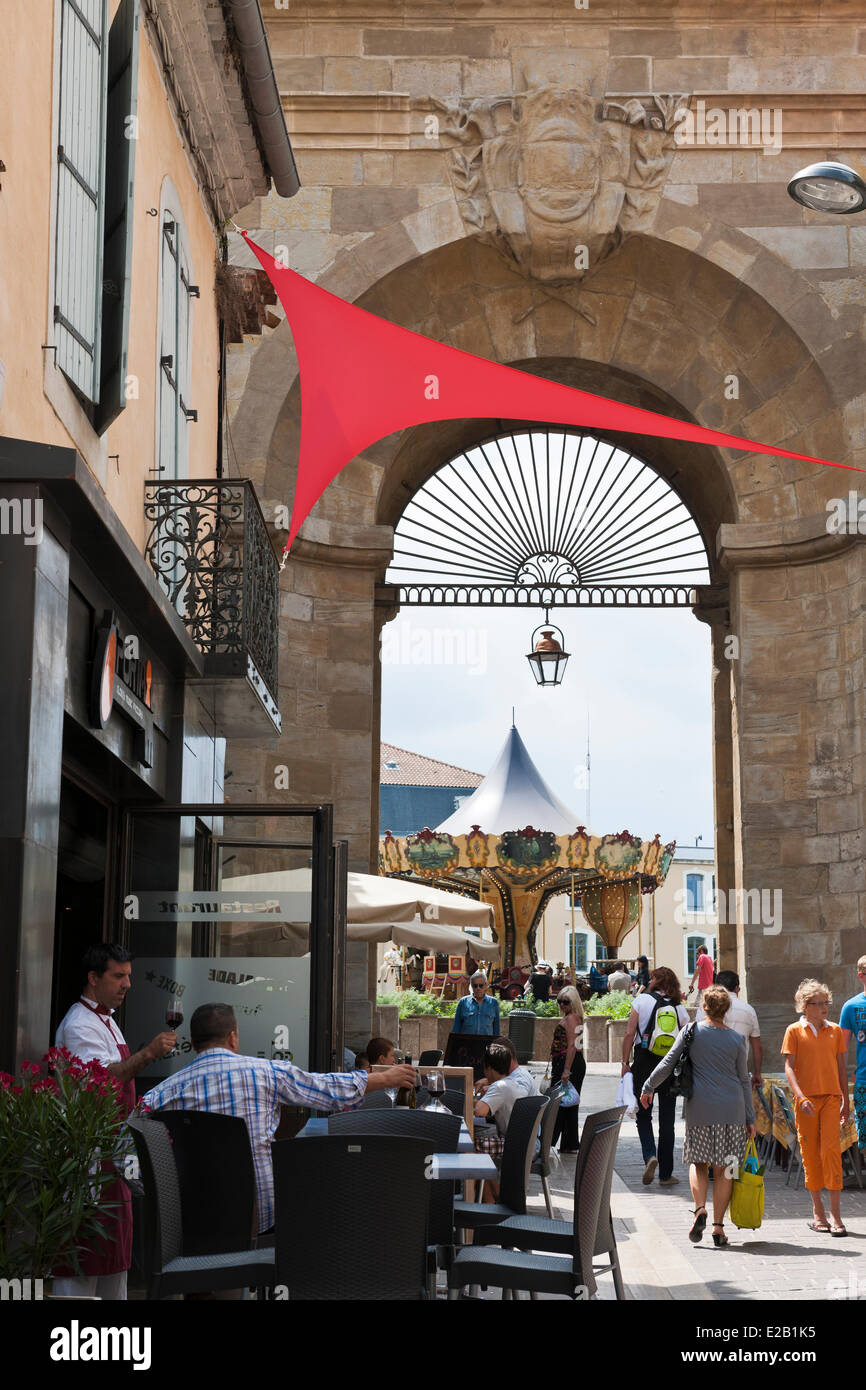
x: 513, y: 1270
x: 167, y: 1268
x: 517, y: 1159
x: 352, y: 1217
x: 557, y: 1237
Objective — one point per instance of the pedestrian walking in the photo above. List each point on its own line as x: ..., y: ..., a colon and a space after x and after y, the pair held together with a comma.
x: 703, y: 972
x: 815, y: 1066
x: 853, y: 1021
x: 743, y: 1019
x: 656, y: 1018
x: 720, y: 1116
x: 568, y: 1064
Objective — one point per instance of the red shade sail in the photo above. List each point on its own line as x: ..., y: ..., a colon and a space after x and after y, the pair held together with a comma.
x: 363, y: 378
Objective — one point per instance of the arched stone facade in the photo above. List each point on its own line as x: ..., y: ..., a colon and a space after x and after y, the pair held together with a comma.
x: 702, y: 313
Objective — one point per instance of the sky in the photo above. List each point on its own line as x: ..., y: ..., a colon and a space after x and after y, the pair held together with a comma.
x: 450, y: 677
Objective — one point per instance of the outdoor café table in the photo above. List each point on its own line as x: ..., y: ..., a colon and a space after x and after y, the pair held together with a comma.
x: 316, y: 1126
x: 462, y: 1167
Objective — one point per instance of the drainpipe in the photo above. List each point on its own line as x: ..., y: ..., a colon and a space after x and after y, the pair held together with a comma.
x: 270, y: 122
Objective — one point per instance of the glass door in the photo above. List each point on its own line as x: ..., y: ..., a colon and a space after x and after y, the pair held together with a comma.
x: 242, y: 909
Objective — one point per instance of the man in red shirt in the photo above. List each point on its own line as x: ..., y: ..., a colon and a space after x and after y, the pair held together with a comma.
x: 703, y: 972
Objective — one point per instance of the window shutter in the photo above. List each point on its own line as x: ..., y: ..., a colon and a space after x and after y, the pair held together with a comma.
x: 121, y: 138
x: 80, y: 191
x: 168, y: 279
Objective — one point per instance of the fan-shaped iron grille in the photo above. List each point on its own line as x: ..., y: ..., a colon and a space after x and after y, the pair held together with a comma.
x: 546, y: 508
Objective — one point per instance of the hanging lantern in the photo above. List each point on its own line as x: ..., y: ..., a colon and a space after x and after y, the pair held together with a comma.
x: 613, y: 909
x: 548, y: 657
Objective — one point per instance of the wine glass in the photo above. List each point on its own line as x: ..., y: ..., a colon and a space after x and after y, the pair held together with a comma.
x: 173, y: 1020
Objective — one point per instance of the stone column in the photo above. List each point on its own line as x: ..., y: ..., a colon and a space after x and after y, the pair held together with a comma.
x: 712, y: 608
x: 34, y: 589
x: 329, y: 700
x: 796, y: 601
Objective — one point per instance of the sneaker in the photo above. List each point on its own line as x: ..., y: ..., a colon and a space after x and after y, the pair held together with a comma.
x: 649, y: 1171
x: 669, y: 1182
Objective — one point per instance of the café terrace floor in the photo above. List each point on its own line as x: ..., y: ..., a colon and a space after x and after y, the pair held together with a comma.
x: 783, y: 1260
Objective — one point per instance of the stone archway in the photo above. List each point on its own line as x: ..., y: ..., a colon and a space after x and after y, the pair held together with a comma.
x: 661, y: 326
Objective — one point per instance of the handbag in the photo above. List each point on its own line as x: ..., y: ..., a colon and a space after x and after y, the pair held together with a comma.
x: 682, y: 1081
x: 747, y: 1197
x: 566, y: 1093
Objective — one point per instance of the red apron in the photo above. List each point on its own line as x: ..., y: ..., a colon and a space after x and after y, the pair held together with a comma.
x: 111, y: 1253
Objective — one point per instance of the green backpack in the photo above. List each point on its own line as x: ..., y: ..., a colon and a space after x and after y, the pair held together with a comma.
x: 663, y: 1027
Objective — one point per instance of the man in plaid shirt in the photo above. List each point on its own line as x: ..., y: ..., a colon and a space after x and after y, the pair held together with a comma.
x: 223, y: 1080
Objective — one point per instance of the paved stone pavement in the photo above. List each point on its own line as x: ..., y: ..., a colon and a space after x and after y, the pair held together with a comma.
x: 783, y: 1260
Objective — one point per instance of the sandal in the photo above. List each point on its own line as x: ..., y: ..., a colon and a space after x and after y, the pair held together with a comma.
x: 815, y: 1225
x: 838, y: 1231
x: 722, y: 1239
x: 697, y: 1231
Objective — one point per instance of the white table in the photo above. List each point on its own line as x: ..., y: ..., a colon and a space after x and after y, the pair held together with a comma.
x: 461, y: 1167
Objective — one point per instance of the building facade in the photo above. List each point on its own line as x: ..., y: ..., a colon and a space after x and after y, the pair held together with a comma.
x: 417, y: 792
x: 129, y: 136
x: 511, y: 181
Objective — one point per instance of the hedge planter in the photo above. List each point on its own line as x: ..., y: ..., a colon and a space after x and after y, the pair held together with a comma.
x: 387, y: 1018
x: 595, y: 1037
x: 420, y: 1033
x: 616, y: 1031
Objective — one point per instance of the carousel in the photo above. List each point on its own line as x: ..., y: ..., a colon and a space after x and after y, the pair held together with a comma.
x: 514, y: 845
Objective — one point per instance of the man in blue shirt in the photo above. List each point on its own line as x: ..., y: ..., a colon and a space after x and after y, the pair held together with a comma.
x: 477, y: 1012
x: 853, y: 1020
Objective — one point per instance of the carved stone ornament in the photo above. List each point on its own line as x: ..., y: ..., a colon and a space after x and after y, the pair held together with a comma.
x: 557, y: 176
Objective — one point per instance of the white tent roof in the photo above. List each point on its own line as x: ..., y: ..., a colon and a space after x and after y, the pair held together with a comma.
x: 512, y: 795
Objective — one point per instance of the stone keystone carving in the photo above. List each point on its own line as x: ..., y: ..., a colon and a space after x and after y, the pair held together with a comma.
x: 558, y: 177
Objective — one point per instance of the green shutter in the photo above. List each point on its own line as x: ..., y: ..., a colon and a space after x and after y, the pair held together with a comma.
x: 121, y: 138
x: 80, y: 191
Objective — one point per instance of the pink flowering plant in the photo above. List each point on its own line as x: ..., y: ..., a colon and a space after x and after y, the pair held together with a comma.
x: 60, y: 1132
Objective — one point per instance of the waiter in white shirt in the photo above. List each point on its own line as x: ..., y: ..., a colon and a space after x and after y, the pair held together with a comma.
x: 88, y: 1031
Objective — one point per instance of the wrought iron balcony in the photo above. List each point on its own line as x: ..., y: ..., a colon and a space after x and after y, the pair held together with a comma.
x: 210, y: 550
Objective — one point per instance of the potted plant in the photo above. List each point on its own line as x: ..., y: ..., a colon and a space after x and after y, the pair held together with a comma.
x: 61, y: 1133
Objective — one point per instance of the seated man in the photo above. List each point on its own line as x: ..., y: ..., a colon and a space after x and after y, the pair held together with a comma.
x: 619, y: 978
x: 500, y: 1091
x: 380, y: 1053
x: 222, y: 1079
x: 520, y: 1076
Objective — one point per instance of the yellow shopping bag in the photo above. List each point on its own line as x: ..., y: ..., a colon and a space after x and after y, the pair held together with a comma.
x: 747, y: 1199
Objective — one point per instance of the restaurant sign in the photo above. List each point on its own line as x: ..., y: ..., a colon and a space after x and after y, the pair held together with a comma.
x: 171, y: 905
x: 122, y: 678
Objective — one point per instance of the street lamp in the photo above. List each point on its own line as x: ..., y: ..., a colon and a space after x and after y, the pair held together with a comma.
x: 548, y: 657
x: 828, y: 187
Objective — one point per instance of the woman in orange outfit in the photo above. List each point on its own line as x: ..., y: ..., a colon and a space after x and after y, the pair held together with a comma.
x: 815, y: 1066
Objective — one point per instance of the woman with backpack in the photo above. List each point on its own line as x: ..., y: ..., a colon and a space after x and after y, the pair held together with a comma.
x: 656, y: 1018
x: 720, y: 1115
